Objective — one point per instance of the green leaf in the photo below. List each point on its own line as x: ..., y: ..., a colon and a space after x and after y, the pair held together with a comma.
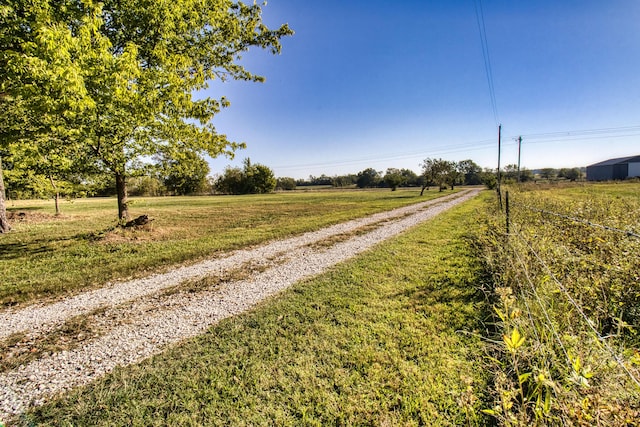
x: 524, y: 377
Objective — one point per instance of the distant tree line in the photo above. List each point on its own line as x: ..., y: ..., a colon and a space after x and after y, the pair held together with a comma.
x: 337, y: 181
x: 187, y: 173
x: 510, y: 174
x: 435, y: 172
x: 181, y: 174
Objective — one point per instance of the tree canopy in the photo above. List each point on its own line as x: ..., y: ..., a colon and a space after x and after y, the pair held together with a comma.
x: 185, y: 173
x: 253, y: 178
x: 368, y: 178
x: 119, y: 80
x: 394, y: 178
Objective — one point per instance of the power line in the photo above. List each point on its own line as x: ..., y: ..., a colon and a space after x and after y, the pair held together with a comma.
x: 485, y: 55
x: 468, y: 146
x: 583, y: 132
x: 537, y: 138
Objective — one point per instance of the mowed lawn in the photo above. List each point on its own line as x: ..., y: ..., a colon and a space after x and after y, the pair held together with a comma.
x: 47, y: 256
x: 388, y: 338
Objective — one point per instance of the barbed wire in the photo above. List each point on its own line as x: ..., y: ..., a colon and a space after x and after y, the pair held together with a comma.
x: 579, y: 309
x: 628, y: 233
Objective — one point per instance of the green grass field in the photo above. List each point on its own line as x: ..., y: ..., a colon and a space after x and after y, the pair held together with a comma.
x: 388, y: 338
x: 47, y: 256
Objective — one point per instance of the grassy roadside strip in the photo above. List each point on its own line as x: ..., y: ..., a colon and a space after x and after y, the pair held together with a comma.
x: 376, y: 341
x: 47, y: 256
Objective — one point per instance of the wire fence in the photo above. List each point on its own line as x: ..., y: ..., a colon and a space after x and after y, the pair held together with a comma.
x: 512, y: 232
x: 628, y: 233
x: 587, y: 321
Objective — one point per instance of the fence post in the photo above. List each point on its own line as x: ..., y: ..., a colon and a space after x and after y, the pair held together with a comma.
x: 507, y: 209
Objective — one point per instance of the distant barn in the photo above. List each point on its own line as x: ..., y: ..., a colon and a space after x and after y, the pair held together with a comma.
x: 622, y: 168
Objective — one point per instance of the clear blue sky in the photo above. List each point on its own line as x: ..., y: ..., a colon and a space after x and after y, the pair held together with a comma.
x: 387, y: 84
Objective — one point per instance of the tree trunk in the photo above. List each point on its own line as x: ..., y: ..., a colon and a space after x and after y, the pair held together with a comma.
x: 123, y: 200
x: 57, y: 194
x: 423, y: 188
x: 4, y: 222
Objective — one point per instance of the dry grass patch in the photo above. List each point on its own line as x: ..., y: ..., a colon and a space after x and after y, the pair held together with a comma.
x: 55, y: 258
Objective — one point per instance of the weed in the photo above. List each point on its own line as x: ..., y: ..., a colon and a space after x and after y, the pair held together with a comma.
x: 566, y: 297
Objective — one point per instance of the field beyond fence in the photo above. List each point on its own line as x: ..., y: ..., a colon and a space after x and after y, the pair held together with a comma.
x: 566, y: 264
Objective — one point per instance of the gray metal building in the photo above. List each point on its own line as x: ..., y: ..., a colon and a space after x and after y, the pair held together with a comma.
x: 612, y: 169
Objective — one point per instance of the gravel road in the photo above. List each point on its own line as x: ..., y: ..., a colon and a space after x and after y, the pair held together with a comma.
x: 139, y: 318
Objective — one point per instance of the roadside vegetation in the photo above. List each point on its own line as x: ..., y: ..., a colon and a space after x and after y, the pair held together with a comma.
x: 390, y: 338
x: 567, y: 305
x: 47, y: 255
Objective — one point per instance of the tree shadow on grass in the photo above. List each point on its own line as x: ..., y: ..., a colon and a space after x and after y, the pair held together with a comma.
x: 17, y: 250
x: 44, y: 245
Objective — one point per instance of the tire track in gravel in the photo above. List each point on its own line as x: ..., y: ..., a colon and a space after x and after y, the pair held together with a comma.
x: 182, y: 315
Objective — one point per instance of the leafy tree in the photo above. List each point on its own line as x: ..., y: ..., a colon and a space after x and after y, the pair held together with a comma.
x: 320, y: 180
x: 259, y: 179
x: 344, y: 180
x: 436, y: 172
x: 548, y: 173
x: 570, y: 174
x: 46, y: 167
x: 133, y: 68
x: 410, y: 178
x: 573, y: 174
x: 454, y: 174
x: 394, y: 178
x: 231, y: 181
x: 510, y: 173
x: 489, y: 178
x: 526, y: 175
x: 252, y: 179
x: 185, y: 173
x: 286, y: 183
x: 41, y: 93
x: 471, y: 172
x: 368, y: 178
x: 146, y: 185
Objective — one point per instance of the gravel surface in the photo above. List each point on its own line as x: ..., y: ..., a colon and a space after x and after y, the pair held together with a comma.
x: 149, y: 320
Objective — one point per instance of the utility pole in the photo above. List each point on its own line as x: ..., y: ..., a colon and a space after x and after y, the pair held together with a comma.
x: 499, y: 149
x: 519, y: 147
x: 499, y: 143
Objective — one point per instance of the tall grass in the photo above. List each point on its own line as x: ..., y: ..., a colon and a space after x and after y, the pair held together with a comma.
x: 567, y: 304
